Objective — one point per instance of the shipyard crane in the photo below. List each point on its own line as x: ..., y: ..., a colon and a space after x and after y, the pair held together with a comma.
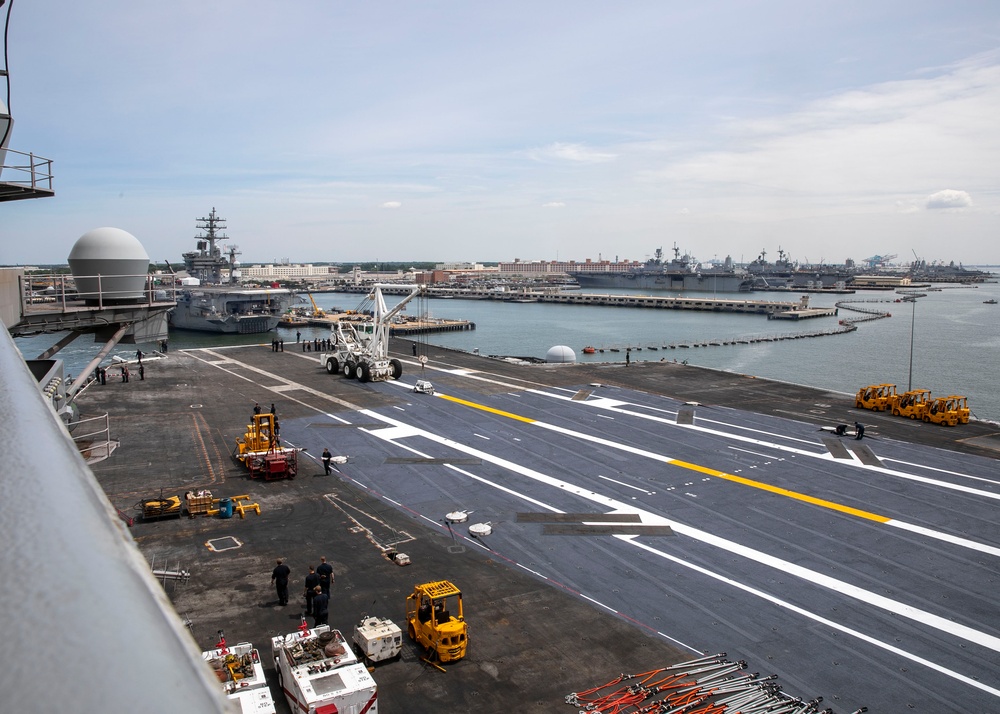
x: 879, y: 261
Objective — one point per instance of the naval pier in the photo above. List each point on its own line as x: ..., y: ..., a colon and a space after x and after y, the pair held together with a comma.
x: 795, y: 310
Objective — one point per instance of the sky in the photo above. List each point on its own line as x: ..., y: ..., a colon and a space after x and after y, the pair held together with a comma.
x: 448, y: 130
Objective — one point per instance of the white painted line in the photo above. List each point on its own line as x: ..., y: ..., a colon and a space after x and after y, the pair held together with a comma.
x: 896, y: 607
x: 622, y: 483
x: 757, y: 453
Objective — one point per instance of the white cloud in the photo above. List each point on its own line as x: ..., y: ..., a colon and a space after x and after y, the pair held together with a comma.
x: 391, y: 204
x: 949, y: 198
x: 554, y: 204
x: 575, y: 153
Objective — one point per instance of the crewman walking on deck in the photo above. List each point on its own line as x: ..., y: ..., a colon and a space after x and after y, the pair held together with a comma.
x: 325, y: 572
x: 279, y: 576
x: 327, y: 456
x: 859, y: 430
x: 142, y: 372
x: 312, y: 586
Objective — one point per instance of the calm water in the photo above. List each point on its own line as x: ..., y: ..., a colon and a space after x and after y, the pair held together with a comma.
x: 955, y: 347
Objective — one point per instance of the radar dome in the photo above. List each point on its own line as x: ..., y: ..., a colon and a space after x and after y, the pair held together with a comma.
x: 109, y: 266
x: 560, y: 353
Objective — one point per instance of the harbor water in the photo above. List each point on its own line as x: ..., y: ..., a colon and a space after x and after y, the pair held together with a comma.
x: 955, y: 339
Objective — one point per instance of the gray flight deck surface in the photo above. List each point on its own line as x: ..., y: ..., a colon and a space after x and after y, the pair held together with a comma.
x: 864, y: 572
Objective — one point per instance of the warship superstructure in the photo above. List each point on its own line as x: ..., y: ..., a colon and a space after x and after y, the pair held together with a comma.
x: 211, y: 298
x: 680, y: 274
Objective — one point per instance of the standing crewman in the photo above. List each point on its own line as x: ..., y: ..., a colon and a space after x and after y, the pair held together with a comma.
x: 859, y: 430
x: 321, y: 607
x: 312, y: 585
x: 279, y: 576
x: 325, y: 571
x: 327, y: 457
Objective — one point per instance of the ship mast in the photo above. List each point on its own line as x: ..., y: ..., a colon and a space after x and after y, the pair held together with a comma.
x: 207, y: 262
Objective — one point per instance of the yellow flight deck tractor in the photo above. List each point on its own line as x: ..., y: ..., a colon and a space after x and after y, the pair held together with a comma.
x: 153, y: 509
x: 261, y: 452
x: 949, y: 411
x: 912, y: 404
x: 436, y: 621
x: 876, y: 397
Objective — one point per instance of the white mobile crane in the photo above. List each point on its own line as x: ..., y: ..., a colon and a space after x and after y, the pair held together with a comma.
x: 361, y: 349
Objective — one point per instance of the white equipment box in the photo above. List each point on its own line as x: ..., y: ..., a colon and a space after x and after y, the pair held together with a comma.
x: 378, y: 639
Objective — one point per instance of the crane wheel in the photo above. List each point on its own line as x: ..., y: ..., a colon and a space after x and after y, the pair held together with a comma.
x: 364, y: 373
x: 349, y: 370
x: 332, y: 366
x: 396, y: 368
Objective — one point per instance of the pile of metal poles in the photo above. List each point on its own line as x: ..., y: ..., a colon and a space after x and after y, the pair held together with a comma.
x: 709, y: 685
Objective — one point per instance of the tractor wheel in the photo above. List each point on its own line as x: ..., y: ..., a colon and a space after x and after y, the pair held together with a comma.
x: 364, y: 372
x: 895, y: 412
x: 395, y: 368
x: 332, y: 366
x: 411, y: 632
x: 349, y: 370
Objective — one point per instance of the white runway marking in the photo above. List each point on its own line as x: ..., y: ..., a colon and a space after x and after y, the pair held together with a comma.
x: 894, y: 606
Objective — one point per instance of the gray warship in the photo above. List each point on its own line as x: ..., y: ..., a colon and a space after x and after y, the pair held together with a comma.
x: 680, y: 274
x: 209, y: 302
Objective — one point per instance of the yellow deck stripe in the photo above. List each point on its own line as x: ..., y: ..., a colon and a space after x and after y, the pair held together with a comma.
x: 491, y: 410
x: 710, y: 472
x: 783, y: 492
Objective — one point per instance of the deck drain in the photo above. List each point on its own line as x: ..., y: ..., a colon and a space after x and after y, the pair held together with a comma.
x: 220, y: 544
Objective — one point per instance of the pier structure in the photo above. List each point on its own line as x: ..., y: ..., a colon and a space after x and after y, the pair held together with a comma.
x: 404, y: 328
x: 788, y: 310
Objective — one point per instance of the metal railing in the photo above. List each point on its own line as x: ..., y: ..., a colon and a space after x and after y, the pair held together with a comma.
x: 63, y: 291
x: 36, y: 174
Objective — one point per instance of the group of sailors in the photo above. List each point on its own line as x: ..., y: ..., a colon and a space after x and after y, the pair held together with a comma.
x: 317, y: 345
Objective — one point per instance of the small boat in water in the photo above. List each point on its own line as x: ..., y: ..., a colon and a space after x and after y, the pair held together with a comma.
x: 588, y: 350
x: 991, y: 301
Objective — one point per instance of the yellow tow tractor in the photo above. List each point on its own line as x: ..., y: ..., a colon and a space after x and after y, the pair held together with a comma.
x: 436, y: 621
x: 260, y: 450
x: 153, y: 509
x: 876, y: 397
x: 912, y: 404
x: 949, y: 411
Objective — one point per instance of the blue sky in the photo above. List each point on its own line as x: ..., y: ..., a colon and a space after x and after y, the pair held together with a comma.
x: 449, y: 131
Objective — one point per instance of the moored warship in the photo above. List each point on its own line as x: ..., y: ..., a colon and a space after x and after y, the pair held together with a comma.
x: 680, y: 274
x: 208, y: 302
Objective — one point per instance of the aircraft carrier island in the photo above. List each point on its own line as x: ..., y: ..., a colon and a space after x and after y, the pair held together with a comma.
x: 599, y: 520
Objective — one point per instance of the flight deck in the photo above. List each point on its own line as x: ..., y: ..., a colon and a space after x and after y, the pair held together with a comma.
x: 633, y: 517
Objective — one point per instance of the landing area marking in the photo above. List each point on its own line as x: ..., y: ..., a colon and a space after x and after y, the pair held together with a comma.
x: 807, y: 575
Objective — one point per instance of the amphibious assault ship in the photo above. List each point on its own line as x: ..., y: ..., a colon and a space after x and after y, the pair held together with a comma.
x: 680, y: 274
x: 210, y: 302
